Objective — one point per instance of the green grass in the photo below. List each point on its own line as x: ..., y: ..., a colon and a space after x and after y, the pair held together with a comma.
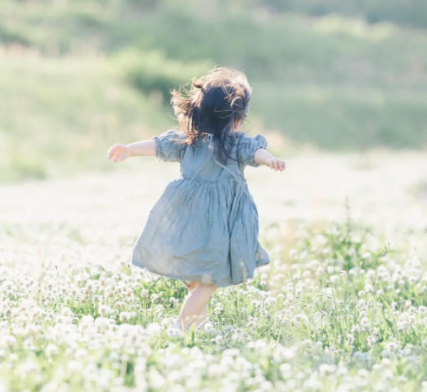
x: 344, y: 117
x: 100, y: 73
x: 59, y: 116
x: 334, y: 310
x: 339, y: 308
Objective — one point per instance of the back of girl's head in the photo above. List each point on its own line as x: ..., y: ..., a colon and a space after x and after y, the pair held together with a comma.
x: 212, y: 105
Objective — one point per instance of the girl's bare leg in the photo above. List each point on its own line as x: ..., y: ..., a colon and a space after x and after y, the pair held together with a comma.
x: 191, y: 287
x: 194, y: 309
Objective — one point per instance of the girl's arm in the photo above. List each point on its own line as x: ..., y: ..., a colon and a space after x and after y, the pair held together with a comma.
x: 263, y: 157
x: 120, y: 152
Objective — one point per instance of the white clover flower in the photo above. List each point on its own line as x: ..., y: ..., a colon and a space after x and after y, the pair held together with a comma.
x: 392, y: 346
x: 219, y: 339
x: 87, y: 320
x: 158, y: 310
x: 364, y: 321
x: 326, y: 369
x: 104, y: 310
x: 51, y: 350
x: 341, y: 370
x: 7, y: 284
x: 300, y: 318
x: 140, y: 366
x: 13, y: 357
x: 28, y: 368
x: 214, y: 371
x: 307, y: 343
x: 218, y: 308
x: 235, y: 337
x: 74, y: 366
x: 174, y: 376
x: 67, y: 312
x: 285, y: 370
x: 269, y: 301
x: 388, y: 374
x: 334, y: 278
x: 25, y: 305
x: 156, y: 380
x: 124, y: 317
x: 121, y: 304
x: 21, y: 332
x: 329, y: 291
x: 312, y: 384
x: 193, y: 382
x: 289, y: 353
x: 363, y: 373
x: 174, y: 332
x: 153, y: 329
x: 166, y: 321
x: 209, y: 328
x: 372, y: 339
x: 9, y: 340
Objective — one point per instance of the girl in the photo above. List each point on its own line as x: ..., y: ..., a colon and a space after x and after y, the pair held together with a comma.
x: 204, y: 228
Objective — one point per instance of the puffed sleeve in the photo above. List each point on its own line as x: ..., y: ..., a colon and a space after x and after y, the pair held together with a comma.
x: 170, y: 146
x: 248, y: 147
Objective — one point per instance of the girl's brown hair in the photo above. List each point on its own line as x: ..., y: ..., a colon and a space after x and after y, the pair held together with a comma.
x: 212, y: 105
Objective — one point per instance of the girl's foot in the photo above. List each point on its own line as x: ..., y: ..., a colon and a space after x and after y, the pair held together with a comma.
x: 176, y: 329
x: 202, y: 324
x: 207, y: 326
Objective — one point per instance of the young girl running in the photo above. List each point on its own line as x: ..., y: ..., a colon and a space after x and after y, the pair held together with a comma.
x: 204, y: 228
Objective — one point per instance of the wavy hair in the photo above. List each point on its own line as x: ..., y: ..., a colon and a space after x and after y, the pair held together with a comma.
x: 211, y: 105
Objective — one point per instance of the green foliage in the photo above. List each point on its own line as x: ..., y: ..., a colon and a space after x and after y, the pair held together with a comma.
x: 23, y: 167
x: 153, y: 71
x: 60, y: 116
x: 330, y: 82
x: 345, y: 117
x: 409, y: 12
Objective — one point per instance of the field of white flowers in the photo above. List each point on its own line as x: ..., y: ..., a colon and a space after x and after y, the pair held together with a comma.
x: 342, y: 307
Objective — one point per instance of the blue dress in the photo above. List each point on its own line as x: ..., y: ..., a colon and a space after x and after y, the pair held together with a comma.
x: 205, y: 225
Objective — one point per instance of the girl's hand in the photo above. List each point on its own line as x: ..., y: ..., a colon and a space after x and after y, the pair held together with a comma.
x: 275, y: 163
x: 118, y: 152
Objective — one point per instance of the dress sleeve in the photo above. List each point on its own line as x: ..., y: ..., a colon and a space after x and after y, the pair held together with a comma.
x: 248, y: 147
x: 170, y: 146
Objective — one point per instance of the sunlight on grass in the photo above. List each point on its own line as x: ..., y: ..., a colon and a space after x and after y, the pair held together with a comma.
x: 342, y: 306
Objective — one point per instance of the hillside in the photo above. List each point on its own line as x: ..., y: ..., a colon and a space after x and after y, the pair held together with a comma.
x: 59, y: 116
x: 76, y: 76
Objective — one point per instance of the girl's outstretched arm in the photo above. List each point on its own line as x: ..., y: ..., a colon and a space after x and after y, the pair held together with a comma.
x: 120, y: 152
x: 263, y: 157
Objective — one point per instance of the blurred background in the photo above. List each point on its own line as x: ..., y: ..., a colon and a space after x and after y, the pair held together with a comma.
x: 79, y: 75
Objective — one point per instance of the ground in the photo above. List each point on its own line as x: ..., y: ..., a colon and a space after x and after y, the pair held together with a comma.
x: 341, y: 307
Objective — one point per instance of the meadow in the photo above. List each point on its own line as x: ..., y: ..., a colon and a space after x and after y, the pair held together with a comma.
x: 339, y: 90
x: 342, y: 306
